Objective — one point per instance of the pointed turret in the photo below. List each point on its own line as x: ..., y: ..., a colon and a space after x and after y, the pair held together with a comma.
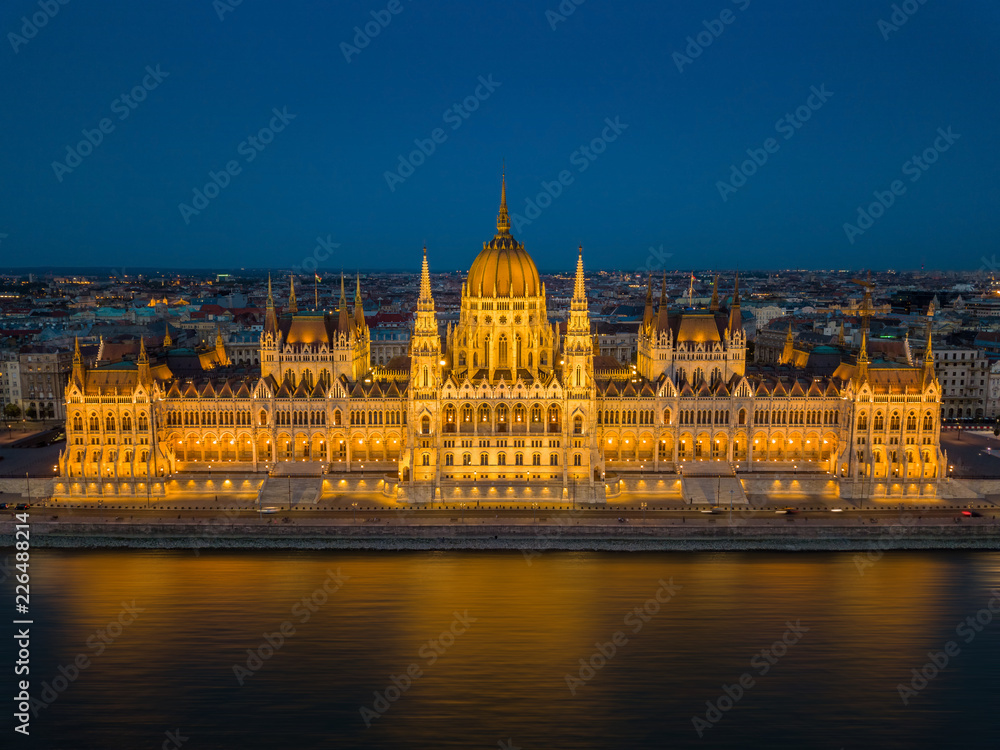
x: 714, y: 305
x: 735, y: 318
x: 293, y: 308
x: 270, y: 318
x: 79, y: 374
x: 787, y: 354
x: 344, y: 320
x: 167, y: 340
x: 928, y: 356
x: 143, y: 363
x: 862, y: 374
x: 578, y: 346
x: 662, y: 318
x: 503, y: 218
x: 425, y: 283
x: 579, y: 290
x: 359, y: 311
x: 841, y: 339
x: 647, y: 315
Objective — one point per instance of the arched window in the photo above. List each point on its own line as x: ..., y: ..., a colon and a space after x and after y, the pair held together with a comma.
x: 577, y: 425
x: 554, y: 414
x: 503, y: 415
x: 127, y: 422
x: 427, y: 377
x: 502, y: 351
x: 466, y: 459
x: 743, y: 416
x: 519, y: 413
x: 894, y: 421
x: 425, y: 459
x: 579, y: 376
x: 911, y: 421
x: 928, y: 421
x: 484, y: 459
x: 518, y: 459
x: 461, y: 359
x: 449, y: 418
x: 666, y: 416
x: 536, y: 413
x: 449, y: 459
x: 536, y: 459
x: 484, y: 413
x: 77, y: 422
x: 425, y: 425
x: 467, y: 413
x: 554, y: 459
x: 262, y: 418
x: 879, y: 421
x: 577, y: 459
x: 502, y: 459
x: 109, y: 423
x: 863, y: 421
x: 336, y: 417
x: 143, y: 423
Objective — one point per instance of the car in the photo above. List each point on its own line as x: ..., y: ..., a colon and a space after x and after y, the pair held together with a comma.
x: 787, y: 511
x: 22, y: 506
x: 6, y: 506
x: 712, y: 510
x: 836, y: 510
x: 972, y: 513
x: 269, y: 509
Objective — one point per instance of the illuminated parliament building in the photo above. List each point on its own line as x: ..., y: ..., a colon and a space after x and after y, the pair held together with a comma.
x: 508, y: 400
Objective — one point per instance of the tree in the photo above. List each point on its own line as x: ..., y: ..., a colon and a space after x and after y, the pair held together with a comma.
x: 12, y: 411
x: 31, y: 413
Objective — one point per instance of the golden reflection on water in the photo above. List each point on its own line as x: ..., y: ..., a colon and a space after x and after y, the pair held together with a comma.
x: 506, y: 675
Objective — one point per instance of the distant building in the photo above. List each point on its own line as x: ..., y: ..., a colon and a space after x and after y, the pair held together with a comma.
x: 44, y: 371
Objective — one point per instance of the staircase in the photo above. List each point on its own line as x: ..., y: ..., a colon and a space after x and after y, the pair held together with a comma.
x: 702, y: 490
x: 299, y: 492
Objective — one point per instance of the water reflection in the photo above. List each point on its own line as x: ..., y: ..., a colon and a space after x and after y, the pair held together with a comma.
x: 505, y: 675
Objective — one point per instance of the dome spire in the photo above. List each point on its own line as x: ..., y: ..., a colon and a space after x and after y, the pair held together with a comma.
x: 503, y: 218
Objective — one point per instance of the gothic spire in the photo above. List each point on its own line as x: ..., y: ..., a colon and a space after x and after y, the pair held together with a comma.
x: 344, y: 323
x: 579, y: 290
x: 359, y: 311
x: 735, y: 318
x: 503, y: 218
x: 270, y: 319
x: 647, y: 315
x: 714, y: 306
x: 293, y: 308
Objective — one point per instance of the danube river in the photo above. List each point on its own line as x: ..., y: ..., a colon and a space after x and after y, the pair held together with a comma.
x: 486, y: 650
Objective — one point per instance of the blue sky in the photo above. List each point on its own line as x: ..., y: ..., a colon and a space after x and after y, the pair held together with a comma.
x: 682, y: 126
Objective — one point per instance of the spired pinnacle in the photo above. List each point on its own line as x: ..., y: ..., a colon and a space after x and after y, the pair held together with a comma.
x: 503, y: 218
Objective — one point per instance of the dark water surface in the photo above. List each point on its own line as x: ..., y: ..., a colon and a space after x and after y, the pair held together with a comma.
x: 504, y: 676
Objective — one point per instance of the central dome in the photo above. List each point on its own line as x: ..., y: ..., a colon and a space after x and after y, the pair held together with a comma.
x: 503, y: 268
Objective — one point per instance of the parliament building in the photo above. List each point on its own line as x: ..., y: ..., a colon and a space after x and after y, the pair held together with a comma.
x: 506, y: 399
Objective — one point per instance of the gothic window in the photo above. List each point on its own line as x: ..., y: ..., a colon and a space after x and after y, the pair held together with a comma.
x: 109, y: 423
x: 517, y: 346
x: 577, y: 459
x: 553, y: 414
x: 894, y: 422
x: 911, y: 421
x: 928, y: 421
x: 425, y: 425
x: 467, y: 413
x: 519, y: 413
x: 863, y: 421
x: 578, y: 425
x: 262, y: 418
x: 502, y: 351
x: 466, y: 459
x: 127, y: 422
x: 518, y: 459
x: 461, y: 359
x: 336, y: 417
x: 554, y: 459
x: 425, y: 459
x: 484, y: 459
x: 502, y: 414
x: 484, y: 414
x: 536, y: 459
x: 536, y: 413
x: 879, y: 421
x: 449, y: 459
x: 666, y: 416
x: 743, y: 416
x: 579, y: 376
x: 427, y: 378
x: 77, y: 422
x: 502, y: 459
x: 449, y: 417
